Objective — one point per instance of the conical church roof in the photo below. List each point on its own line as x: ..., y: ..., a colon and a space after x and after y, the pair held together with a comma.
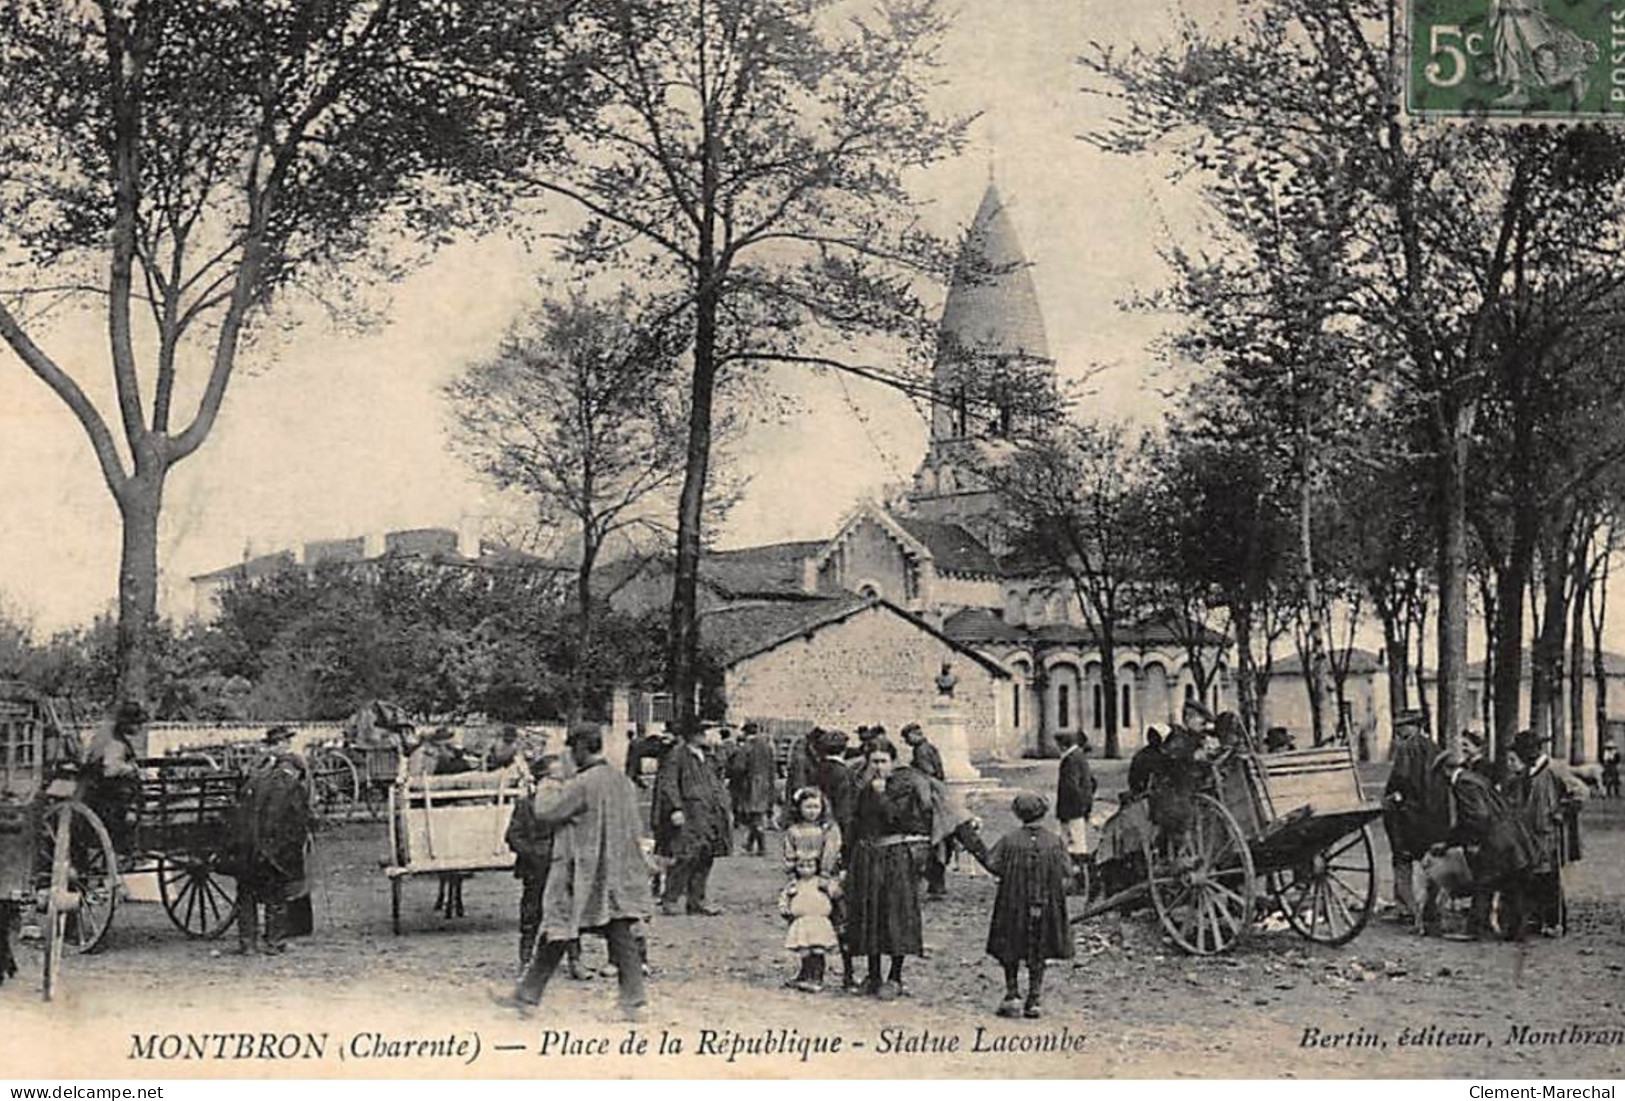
x: 992, y: 308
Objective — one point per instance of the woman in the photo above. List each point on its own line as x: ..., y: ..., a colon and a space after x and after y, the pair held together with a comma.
x: 891, y: 834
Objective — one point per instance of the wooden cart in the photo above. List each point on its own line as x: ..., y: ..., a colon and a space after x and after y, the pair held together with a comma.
x: 181, y: 828
x: 1283, y: 833
x: 449, y: 824
x: 55, y: 854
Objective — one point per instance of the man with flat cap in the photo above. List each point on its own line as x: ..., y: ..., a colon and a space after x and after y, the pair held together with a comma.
x: 689, y: 815
x: 1542, y: 810
x: 1415, y: 813
x: 599, y: 881
x: 1496, y: 842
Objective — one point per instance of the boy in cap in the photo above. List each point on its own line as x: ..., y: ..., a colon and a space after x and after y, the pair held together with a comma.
x: 1029, y: 912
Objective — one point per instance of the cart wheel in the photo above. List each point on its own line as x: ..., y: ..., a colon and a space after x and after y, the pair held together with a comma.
x: 56, y: 916
x: 395, y: 904
x: 84, y: 880
x: 196, y: 896
x: 1329, y: 897
x: 335, y: 785
x: 1202, y: 883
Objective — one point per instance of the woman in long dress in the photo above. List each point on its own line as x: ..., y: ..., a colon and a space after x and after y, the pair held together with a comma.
x: 890, y: 839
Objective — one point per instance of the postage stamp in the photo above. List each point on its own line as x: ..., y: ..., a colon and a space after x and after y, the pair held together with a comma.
x: 1536, y: 59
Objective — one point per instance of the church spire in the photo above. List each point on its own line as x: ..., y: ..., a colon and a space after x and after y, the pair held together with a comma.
x: 991, y: 317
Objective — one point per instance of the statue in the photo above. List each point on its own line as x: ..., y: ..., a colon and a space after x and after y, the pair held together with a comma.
x: 946, y: 681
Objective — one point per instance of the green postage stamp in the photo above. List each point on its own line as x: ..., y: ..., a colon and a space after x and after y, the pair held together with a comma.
x: 1541, y: 59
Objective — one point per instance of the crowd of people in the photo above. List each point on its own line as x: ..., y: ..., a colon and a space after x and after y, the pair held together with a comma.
x: 866, y: 837
x: 1508, y: 821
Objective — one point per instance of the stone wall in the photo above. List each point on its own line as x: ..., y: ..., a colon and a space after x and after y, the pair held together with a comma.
x: 875, y: 666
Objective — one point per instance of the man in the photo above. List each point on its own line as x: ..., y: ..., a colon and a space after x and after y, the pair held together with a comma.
x: 266, y: 845
x: 753, y: 771
x: 504, y: 751
x: 112, y: 777
x: 532, y: 843
x: 599, y: 880
x: 1145, y: 762
x: 833, y: 775
x: 1496, y: 842
x: 689, y: 812
x: 1542, y: 810
x: 1415, y: 814
x: 433, y: 754
x: 927, y: 761
x: 1074, y: 798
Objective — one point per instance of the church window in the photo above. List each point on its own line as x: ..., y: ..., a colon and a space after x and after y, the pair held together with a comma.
x: 1190, y: 692
x: 1124, y: 719
x: 1063, y: 706
x: 1100, y: 707
x: 1015, y: 699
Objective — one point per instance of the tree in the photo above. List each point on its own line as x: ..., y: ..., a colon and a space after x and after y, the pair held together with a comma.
x: 1076, y: 498
x: 179, y: 165
x: 581, y: 411
x: 749, y: 156
x: 1458, y: 228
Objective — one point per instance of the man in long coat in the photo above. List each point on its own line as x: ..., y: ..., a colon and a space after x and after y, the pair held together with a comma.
x: 266, y: 845
x: 689, y: 813
x: 1074, y: 796
x: 1542, y: 810
x: 752, y: 773
x: 599, y: 881
x: 1497, y: 844
x: 1415, y: 813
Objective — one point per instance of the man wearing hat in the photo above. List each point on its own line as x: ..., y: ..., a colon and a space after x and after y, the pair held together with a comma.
x: 1610, y: 770
x: 1543, y: 815
x: 689, y: 814
x: 599, y: 882
x: 504, y: 751
x: 266, y: 843
x: 1497, y: 844
x: 1415, y: 813
x: 752, y: 771
x: 112, y: 778
x: 1074, y: 797
x: 532, y: 843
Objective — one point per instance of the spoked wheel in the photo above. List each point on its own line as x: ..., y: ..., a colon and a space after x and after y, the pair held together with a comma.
x: 199, y: 900
x: 1202, y: 881
x: 1330, y: 896
x: 335, y: 785
x: 84, y: 880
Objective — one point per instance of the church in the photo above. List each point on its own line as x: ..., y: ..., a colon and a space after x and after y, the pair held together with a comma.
x: 853, y: 630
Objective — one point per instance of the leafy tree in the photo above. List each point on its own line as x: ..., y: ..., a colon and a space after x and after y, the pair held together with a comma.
x: 176, y: 166
x: 581, y: 411
x: 748, y: 157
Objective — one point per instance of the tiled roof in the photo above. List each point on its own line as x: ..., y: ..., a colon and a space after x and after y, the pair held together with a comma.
x: 775, y: 569
x: 954, y: 549
x: 973, y: 625
x: 1361, y: 663
x: 734, y: 632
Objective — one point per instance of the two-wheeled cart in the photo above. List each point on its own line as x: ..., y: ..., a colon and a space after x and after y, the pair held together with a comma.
x: 1285, y: 833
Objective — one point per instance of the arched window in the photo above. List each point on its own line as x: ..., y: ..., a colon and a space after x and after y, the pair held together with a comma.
x: 1063, y: 706
x: 1123, y: 717
x: 1015, y: 699
x: 1100, y: 707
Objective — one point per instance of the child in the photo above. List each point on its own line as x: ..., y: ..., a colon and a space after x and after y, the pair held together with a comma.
x: 532, y: 844
x: 1029, y: 913
x: 812, y: 855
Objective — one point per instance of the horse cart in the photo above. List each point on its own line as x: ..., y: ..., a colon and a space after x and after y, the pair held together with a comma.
x: 357, y: 772
x: 1283, y: 833
x: 449, y: 825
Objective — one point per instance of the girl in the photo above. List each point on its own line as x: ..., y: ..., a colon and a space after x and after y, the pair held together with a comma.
x: 812, y: 855
x: 1029, y: 912
x: 891, y: 834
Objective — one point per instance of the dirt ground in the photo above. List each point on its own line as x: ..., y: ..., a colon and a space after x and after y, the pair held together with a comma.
x: 1277, y: 1006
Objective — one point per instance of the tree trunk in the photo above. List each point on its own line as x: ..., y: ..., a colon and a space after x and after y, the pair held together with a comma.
x: 1486, y: 592
x: 1512, y: 582
x: 1396, y: 645
x: 1246, y: 675
x: 579, y: 668
x: 1546, y: 660
x: 685, y: 626
x: 1576, y: 672
x: 1452, y: 556
x: 1314, y: 665
x: 1108, y: 689
x: 140, y: 502
x: 1598, y: 610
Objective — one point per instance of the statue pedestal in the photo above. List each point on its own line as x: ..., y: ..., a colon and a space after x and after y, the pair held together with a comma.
x: 947, y: 732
